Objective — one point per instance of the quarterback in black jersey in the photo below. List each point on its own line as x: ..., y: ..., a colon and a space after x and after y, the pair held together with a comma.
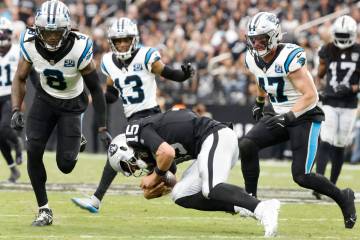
x: 213, y: 145
x: 340, y: 62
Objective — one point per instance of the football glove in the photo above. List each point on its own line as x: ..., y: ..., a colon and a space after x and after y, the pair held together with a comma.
x: 258, y: 110
x: 280, y: 120
x: 188, y: 70
x: 17, y: 120
x: 342, y: 90
x: 105, y: 137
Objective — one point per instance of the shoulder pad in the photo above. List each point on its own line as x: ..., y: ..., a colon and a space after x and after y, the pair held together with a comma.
x: 105, y: 60
x: 26, y: 38
x: 296, y: 59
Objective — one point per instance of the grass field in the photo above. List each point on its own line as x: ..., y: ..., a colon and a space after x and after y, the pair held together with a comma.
x: 130, y: 216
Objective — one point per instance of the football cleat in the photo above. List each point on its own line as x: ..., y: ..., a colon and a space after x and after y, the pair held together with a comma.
x: 348, y: 208
x: 44, y: 218
x: 267, y: 213
x: 83, y: 143
x: 87, y: 204
x: 244, y: 213
x: 15, y: 174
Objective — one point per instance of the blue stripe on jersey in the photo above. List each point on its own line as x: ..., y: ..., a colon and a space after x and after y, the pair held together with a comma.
x: 312, y: 146
x: 23, y: 48
x: 147, y: 56
x: 291, y: 57
x: 104, y: 68
x: 88, y: 46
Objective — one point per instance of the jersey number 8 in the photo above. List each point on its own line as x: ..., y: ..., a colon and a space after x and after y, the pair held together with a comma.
x: 55, y: 79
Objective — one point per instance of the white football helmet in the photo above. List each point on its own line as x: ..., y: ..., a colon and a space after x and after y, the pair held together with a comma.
x: 6, y: 30
x: 122, y: 158
x: 264, y: 24
x: 52, y: 24
x: 344, y: 32
x: 123, y: 28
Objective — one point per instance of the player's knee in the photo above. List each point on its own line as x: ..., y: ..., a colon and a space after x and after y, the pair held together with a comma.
x: 247, y: 146
x: 300, y: 179
x: 66, y: 162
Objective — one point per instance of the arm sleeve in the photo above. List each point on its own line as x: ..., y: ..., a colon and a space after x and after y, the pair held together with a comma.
x: 173, y: 74
x: 323, y: 53
x: 86, y: 55
x: 295, y: 60
x: 111, y: 94
x: 151, y: 56
x: 150, y: 139
x: 93, y: 84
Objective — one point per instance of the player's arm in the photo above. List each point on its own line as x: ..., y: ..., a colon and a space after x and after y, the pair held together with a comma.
x: 111, y: 93
x: 321, y: 73
x: 92, y: 82
x: 164, y: 154
x: 18, y: 87
x: 304, y: 83
x: 177, y: 75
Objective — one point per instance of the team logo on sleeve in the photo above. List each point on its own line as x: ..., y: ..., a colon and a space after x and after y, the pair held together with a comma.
x: 69, y: 63
x: 137, y: 67
x: 278, y: 68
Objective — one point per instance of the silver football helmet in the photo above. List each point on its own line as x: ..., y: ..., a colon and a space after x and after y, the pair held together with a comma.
x: 6, y: 30
x: 267, y: 26
x: 123, y: 28
x: 344, y: 32
x: 123, y: 158
x: 52, y: 24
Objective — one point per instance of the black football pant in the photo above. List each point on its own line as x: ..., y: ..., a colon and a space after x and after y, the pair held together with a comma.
x: 303, y: 140
x: 109, y: 174
x: 7, y: 134
x: 41, y: 121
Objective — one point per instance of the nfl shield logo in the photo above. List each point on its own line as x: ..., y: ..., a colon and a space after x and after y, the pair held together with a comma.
x: 278, y: 68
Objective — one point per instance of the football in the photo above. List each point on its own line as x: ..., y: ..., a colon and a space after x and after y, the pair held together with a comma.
x: 169, y: 179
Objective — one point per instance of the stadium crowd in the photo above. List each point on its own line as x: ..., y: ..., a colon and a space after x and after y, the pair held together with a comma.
x: 208, y: 33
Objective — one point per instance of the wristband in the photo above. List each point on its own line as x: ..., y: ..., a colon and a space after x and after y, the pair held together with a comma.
x: 159, y: 172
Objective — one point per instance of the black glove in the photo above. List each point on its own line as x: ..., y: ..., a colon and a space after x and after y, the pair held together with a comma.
x: 342, y: 90
x: 17, y: 120
x: 188, y: 70
x: 105, y: 137
x: 258, y: 110
x: 280, y: 120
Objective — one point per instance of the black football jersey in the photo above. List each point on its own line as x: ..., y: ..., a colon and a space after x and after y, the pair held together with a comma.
x: 343, y: 67
x: 182, y: 129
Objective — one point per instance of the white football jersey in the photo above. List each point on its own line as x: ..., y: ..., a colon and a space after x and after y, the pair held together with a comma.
x: 136, y: 85
x: 273, y: 77
x: 62, y: 79
x: 8, y: 66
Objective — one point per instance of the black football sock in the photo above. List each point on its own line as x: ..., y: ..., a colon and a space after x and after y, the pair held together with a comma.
x: 107, y: 178
x: 234, y: 195
x: 337, y: 161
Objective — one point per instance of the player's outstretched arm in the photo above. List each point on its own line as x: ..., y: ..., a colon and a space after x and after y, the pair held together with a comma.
x: 177, y: 75
x: 18, y: 89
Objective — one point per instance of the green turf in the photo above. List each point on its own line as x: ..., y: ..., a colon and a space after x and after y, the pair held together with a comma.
x: 132, y: 217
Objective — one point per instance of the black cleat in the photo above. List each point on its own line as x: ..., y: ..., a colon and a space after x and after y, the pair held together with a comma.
x: 316, y: 195
x: 44, y: 218
x: 83, y: 143
x: 348, y: 208
x: 15, y: 174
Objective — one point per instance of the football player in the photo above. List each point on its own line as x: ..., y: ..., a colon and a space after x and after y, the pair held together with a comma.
x: 281, y: 74
x: 130, y: 70
x: 340, y: 61
x: 212, y: 144
x: 9, y: 58
x: 63, y: 58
